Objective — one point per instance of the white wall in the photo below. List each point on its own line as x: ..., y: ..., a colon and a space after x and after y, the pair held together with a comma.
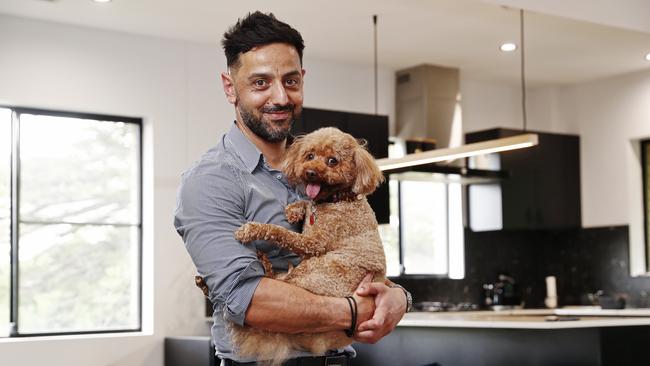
x: 175, y: 87
x: 488, y: 105
x: 485, y: 105
x: 611, y: 116
x: 608, y: 114
x: 348, y: 87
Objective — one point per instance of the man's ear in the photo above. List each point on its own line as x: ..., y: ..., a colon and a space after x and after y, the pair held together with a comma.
x: 229, y: 87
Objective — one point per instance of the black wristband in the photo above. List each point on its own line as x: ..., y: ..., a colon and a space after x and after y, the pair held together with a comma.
x: 353, y: 311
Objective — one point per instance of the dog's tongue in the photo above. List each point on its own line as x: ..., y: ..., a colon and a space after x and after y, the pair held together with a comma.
x: 312, y: 190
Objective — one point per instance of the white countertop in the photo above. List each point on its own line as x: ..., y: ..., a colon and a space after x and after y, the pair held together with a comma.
x: 565, y: 318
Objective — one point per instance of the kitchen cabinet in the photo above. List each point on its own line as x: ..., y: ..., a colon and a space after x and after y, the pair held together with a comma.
x: 485, y: 338
x: 418, y: 346
x: 186, y: 351
x: 543, y: 187
x: 372, y: 128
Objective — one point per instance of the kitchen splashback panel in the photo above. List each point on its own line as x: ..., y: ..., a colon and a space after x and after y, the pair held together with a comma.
x: 584, y: 261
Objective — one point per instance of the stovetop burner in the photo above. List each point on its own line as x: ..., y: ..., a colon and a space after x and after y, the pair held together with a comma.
x: 439, y: 306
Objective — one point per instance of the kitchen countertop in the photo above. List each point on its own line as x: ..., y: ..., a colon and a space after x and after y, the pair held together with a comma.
x: 564, y: 318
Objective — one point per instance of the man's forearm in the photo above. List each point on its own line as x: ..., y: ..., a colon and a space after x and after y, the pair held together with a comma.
x: 280, y: 307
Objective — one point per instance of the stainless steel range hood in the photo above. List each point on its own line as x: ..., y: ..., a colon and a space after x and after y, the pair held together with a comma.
x: 428, y: 106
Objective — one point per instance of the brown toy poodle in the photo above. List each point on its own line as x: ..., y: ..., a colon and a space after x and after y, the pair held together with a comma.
x: 339, y: 243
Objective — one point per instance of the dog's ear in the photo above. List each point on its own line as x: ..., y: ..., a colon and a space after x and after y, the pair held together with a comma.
x: 291, y: 162
x: 368, y: 174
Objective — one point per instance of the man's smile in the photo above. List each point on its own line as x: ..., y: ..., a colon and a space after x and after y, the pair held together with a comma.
x: 278, y: 116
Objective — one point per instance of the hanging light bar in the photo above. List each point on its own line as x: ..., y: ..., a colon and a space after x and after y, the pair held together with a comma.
x: 464, y: 151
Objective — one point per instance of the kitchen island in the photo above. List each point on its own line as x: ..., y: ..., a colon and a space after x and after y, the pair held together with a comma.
x: 517, y: 337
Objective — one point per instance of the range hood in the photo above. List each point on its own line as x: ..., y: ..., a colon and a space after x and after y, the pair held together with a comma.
x: 427, y: 101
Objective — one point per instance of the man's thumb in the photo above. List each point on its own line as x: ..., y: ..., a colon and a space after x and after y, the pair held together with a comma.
x: 363, y: 286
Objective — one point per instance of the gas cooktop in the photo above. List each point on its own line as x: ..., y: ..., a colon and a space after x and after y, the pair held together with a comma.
x: 438, y: 306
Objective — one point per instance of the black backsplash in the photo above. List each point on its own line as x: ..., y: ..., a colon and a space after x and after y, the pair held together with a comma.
x: 583, y: 260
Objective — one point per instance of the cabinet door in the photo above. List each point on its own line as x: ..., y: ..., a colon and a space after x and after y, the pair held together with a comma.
x: 572, y: 181
x: 557, y: 182
x: 543, y: 190
x: 518, y: 192
x: 313, y: 119
x: 373, y: 129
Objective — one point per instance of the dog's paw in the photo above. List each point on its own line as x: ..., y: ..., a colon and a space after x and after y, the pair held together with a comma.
x: 245, y: 233
x: 294, y: 213
x: 200, y: 283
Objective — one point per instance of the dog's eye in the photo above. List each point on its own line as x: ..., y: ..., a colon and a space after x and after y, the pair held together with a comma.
x: 332, y: 161
x: 310, y: 156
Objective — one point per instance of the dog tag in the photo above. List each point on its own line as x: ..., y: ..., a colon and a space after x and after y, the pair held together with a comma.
x: 311, y: 219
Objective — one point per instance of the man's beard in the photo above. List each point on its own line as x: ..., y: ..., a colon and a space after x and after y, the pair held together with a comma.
x: 264, y: 129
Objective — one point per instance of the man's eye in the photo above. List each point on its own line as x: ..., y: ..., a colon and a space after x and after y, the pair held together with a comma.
x: 310, y: 156
x: 291, y: 82
x: 332, y: 161
x: 260, y: 82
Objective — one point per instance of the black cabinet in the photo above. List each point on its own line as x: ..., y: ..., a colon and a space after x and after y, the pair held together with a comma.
x: 606, y: 346
x: 543, y: 187
x: 372, y: 128
x: 190, y: 351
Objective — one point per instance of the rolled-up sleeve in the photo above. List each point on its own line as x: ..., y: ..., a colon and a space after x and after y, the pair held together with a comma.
x: 210, y: 207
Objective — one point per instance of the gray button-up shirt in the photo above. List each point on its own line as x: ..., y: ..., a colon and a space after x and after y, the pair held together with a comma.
x: 230, y: 185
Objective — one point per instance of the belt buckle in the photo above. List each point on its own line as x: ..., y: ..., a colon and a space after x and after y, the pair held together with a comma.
x: 339, y: 360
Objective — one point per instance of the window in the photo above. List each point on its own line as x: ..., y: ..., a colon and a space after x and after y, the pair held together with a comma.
x: 645, y: 162
x: 5, y: 218
x: 70, y: 223
x: 425, y: 234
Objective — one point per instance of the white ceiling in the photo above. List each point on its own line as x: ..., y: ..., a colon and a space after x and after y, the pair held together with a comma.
x: 459, y: 33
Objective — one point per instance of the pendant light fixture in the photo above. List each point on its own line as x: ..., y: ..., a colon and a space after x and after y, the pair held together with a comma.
x: 374, y: 23
x: 522, y: 55
x: 524, y: 140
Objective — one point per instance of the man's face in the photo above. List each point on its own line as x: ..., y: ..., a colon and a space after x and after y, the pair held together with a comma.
x: 266, y: 89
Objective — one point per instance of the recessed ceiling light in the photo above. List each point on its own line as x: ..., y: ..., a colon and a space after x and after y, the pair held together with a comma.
x: 647, y: 57
x: 102, y: 1
x: 508, y: 47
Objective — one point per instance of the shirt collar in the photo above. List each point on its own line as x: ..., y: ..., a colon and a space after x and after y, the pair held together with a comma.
x: 247, y: 151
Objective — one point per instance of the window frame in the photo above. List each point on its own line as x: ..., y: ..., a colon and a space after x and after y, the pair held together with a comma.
x: 16, y: 112
x: 400, y: 241
x: 645, y: 173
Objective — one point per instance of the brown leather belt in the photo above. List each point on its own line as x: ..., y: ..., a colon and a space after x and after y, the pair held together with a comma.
x: 340, y: 359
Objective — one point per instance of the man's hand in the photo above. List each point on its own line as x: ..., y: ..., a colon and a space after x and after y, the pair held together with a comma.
x: 390, y: 306
x: 365, y: 303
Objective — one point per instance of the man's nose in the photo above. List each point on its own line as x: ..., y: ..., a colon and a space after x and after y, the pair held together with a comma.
x: 279, y: 95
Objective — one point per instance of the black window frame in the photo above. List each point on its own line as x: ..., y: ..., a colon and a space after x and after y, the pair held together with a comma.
x: 15, y: 209
x: 645, y: 173
x: 400, y: 243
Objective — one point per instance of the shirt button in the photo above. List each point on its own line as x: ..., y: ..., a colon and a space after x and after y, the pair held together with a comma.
x: 279, y: 176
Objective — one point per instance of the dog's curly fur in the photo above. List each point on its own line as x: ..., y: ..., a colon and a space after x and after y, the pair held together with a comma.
x: 340, y: 241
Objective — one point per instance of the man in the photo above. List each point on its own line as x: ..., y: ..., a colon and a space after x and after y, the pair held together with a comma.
x: 239, y: 180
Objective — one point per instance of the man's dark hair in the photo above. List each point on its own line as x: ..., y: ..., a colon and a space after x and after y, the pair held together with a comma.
x: 258, y: 29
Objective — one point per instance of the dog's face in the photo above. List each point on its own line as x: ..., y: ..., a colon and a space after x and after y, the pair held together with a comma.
x: 328, y: 161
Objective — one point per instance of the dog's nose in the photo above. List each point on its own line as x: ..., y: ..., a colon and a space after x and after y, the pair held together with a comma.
x: 310, y: 174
